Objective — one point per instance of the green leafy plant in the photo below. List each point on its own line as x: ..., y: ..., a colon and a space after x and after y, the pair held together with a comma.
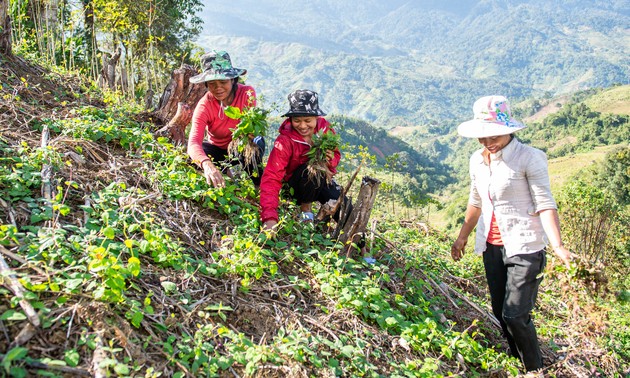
x: 253, y: 122
x: 317, y: 166
x: 11, y: 362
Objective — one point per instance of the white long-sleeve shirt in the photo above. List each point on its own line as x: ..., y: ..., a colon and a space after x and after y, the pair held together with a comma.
x: 515, y: 186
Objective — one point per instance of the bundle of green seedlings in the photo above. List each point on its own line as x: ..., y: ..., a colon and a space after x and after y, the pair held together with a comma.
x: 317, y: 166
x: 253, y: 122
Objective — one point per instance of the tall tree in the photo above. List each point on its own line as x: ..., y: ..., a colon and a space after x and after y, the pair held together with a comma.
x: 89, y: 38
x: 149, y: 37
x: 154, y: 35
x: 5, y: 28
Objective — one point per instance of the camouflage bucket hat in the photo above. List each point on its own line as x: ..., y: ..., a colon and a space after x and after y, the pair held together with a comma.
x: 217, y: 66
x: 303, y: 103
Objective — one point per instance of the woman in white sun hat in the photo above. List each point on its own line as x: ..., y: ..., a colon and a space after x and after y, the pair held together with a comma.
x: 511, y: 205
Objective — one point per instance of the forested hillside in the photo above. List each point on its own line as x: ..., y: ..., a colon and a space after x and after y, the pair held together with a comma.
x: 430, y: 174
x: 572, y: 124
x: 407, y: 63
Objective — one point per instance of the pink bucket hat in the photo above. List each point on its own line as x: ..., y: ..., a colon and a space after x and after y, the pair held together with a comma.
x: 493, y: 117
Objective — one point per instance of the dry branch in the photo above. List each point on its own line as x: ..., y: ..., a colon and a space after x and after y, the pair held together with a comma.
x: 24, y: 336
x: 9, y: 210
x: 442, y: 290
x: 475, y: 306
x: 17, y: 290
x: 324, y: 328
x: 72, y: 372
x: 13, y: 256
x: 98, y: 356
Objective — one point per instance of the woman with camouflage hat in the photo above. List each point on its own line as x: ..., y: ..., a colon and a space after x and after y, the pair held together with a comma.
x: 288, y: 161
x: 221, y: 80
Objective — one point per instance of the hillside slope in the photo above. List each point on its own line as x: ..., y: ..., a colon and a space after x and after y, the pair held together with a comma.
x: 613, y: 100
x: 133, y: 267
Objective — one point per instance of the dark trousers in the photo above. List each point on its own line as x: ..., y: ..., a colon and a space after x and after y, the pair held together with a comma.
x: 220, y: 158
x: 307, y: 190
x: 513, y: 283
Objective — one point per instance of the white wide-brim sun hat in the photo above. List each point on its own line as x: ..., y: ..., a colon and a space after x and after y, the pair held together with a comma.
x: 492, y: 117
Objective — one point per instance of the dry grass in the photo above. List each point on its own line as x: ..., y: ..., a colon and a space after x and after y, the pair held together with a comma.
x: 615, y: 100
x: 563, y: 168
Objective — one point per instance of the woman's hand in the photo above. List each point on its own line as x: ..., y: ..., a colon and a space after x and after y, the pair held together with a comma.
x: 270, y: 224
x: 564, y: 254
x: 213, y: 176
x: 457, y: 249
x: 330, y: 154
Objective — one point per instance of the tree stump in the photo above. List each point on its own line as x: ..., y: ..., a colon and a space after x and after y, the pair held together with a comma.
x: 108, y: 72
x: 177, y: 104
x: 175, y: 129
x: 356, y: 222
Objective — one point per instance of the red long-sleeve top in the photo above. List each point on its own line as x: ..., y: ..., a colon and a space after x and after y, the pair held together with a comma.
x: 288, y: 153
x: 209, y: 116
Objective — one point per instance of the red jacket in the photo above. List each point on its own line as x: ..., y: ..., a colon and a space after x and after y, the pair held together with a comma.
x: 288, y: 153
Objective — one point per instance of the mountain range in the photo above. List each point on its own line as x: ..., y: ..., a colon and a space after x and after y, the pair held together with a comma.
x: 410, y: 63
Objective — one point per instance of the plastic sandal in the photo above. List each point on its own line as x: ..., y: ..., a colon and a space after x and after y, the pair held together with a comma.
x: 369, y: 260
x: 307, y: 216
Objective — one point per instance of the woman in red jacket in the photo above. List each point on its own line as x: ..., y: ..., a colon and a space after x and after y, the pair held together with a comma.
x: 287, y: 161
x: 221, y: 80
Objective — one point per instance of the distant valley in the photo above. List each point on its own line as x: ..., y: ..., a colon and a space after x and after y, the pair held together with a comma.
x: 414, y: 63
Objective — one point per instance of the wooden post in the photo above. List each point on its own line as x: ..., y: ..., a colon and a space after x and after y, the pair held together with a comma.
x: 47, y: 171
x: 356, y: 223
